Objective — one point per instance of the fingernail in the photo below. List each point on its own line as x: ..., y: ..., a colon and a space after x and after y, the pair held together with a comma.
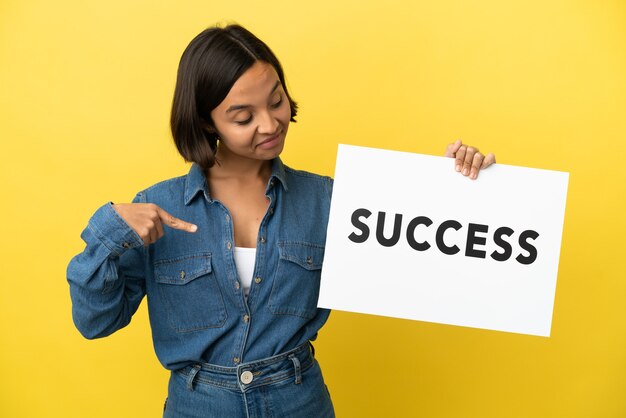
x: 194, y: 228
x: 458, y: 167
x: 465, y: 172
x: 473, y: 175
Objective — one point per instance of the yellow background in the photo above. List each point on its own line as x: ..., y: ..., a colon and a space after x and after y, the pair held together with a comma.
x: 85, y: 93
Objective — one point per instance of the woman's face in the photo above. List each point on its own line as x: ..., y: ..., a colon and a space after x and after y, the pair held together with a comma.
x: 252, y: 120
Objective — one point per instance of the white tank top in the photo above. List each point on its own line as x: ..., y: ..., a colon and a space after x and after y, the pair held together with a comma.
x: 244, y: 262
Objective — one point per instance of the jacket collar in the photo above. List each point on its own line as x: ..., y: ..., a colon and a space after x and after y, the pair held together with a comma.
x: 196, y: 182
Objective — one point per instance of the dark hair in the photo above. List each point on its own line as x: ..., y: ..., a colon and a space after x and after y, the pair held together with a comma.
x: 208, y: 68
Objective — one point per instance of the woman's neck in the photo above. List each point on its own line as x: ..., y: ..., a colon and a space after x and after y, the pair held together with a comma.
x: 229, y: 165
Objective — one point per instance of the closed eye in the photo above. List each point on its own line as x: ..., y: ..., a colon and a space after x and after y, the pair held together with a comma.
x: 244, y: 122
x: 273, y: 106
x: 278, y: 103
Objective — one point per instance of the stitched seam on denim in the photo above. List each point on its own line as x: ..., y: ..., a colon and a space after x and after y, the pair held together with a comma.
x: 298, y: 311
x: 294, y: 311
x: 205, y: 257
x: 279, y: 357
x: 200, y: 328
x: 166, y: 182
x: 329, y: 187
x: 279, y: 377
x: 182, y: 258
x: 274, y: 378
x: 206, y: 367
x: 181, y: 329
x: 99, y: 235
x: 302, y: 263
x: 199, y: 379
x: 306, y: 174
x: 303, y: 243
x: 285, y: 254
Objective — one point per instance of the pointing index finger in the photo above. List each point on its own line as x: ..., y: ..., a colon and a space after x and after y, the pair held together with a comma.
x: 176, y: 223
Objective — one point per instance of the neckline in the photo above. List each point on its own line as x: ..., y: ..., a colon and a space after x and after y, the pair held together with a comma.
x: 245, y: 249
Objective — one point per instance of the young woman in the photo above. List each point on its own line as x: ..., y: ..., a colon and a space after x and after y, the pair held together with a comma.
x: 228, y: 255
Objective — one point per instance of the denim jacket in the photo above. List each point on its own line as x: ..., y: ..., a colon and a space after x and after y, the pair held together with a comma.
x: 196, y: 304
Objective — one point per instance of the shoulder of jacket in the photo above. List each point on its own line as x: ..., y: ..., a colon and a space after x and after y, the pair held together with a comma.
x: 306, y: 182
x: 306, y: 175
x: 175, y: 184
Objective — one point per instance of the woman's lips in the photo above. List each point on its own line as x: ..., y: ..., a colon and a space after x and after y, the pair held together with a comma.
x: 270, y: 142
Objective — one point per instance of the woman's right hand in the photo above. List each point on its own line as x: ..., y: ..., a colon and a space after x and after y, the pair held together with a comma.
x: 147, y: 220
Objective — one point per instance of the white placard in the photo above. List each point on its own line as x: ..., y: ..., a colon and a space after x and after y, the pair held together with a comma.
x: 480, y: 253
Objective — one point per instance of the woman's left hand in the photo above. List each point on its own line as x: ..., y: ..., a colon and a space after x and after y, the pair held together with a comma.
x: 469, y: 160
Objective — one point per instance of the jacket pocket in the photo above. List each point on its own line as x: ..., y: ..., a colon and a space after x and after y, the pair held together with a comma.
x: 190, y: 292
x: 297, y: 281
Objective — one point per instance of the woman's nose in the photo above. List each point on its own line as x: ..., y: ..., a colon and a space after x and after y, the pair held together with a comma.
x: 267, y: 123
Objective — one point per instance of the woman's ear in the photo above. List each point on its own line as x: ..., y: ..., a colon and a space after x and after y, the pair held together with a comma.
x: 207, y: 126
x: 210, y: 129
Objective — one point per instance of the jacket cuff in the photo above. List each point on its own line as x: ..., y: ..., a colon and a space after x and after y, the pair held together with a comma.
x: 113, y: 231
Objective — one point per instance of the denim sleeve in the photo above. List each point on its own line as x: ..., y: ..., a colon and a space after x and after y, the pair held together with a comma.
x: 329, y: 186
x: 107, y: 280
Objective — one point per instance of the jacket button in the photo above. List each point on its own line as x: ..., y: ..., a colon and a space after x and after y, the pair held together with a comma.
x: 262, y: 240
x: 271, y: 210
x: 246, y: 377
x: 257, y: 280
x: 182, y: 274
x: 309, y: 260
x: 246, y: 318
x: 229, y: 245
x: 237, y: 285
x: 126, y: 245
x: 236, y: 360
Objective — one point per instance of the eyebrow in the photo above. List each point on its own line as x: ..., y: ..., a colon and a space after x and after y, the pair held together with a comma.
x: 244, y: 106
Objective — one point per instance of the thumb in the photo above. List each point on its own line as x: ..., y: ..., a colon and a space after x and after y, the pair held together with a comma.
x: 173, y: 222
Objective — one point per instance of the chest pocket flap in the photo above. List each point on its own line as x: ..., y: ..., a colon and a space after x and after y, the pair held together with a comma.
x: 308, y: 256
x: 182, y: 270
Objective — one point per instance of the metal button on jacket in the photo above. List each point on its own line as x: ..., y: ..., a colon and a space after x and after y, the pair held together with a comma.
x: 246, y: 377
